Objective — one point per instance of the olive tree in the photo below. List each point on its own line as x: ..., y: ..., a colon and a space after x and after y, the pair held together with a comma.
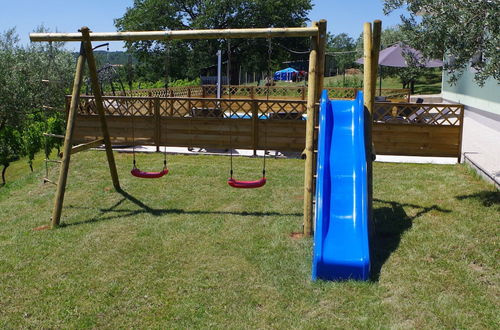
x: 466, y: 32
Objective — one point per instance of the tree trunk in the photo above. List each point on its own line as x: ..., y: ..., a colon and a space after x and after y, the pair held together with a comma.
x: 3, y: 173
x: 412, y: 86
x: 31, y: 167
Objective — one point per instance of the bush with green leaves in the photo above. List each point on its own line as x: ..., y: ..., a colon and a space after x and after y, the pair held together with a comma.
x: 466, y: 32
x: 23, y: 95
x: 11, y: 148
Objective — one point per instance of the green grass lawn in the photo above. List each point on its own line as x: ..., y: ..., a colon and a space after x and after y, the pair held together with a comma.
x: 427, y: 83
x: 187, y: 251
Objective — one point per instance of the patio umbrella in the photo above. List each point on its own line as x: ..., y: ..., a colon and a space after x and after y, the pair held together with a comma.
x: 397, y: 55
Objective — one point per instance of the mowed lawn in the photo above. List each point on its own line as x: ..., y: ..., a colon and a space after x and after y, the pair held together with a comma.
x: 187, y: 251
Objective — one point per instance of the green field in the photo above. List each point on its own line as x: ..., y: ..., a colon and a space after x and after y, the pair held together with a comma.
x: 427, y: 83
x: 187, y: 251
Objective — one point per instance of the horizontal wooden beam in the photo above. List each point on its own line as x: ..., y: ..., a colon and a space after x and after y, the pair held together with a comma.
x: 180, y: 34
x: 53, y: 135
x: 85, y: 146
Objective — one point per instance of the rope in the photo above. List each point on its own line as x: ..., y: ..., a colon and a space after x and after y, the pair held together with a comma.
x: 298, y: 52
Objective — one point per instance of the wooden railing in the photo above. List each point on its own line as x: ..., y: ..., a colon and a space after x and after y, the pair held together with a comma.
x: 412, y: 129
x: 196, y: 122
x: 258, y: 123
x: 273, y: 92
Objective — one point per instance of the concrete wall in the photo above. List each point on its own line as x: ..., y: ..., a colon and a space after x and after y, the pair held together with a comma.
x: 466, y: 91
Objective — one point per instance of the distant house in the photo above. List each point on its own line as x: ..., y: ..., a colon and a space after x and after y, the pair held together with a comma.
x: 483, y: 103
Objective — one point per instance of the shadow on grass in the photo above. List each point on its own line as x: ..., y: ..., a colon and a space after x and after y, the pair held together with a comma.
x: 487, y: 198
x: 390, y: 222
x: 144, y: 208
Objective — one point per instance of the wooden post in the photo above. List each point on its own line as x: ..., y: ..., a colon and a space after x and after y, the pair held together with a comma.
x: 100, y: 109
x: 63, y: 174
x: 150, y: 103
x: 461, y: 118
x: 371, y: 46
x: 321, y: 58
x: 376, y: 35
x: 309, y: 149
x: 316, y: 78
x: 190, y: 106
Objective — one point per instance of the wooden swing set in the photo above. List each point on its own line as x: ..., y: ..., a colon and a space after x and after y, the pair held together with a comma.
x: 317, y: 33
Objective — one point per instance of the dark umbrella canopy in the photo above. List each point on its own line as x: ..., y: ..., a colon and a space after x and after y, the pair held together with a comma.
x: 396, y: 56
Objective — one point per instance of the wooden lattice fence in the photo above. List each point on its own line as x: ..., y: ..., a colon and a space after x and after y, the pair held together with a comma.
x: 258, y: 123
x: 196, y: 122
x: 418, y: 129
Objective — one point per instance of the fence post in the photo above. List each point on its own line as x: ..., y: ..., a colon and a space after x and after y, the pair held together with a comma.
x: 157, y: 119
x: 371, y: 45
x: 151, y: 105
x: 190, y: 105
x: 461, y: 118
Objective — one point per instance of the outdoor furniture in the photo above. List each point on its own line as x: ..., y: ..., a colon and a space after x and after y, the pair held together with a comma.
x: 286, y: 115
x: 207, y: 112
x: 417, y: 116
x: 381, y: 99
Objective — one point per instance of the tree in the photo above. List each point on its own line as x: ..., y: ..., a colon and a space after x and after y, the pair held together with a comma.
x: 188, y: 57
x: 11, y: 148
x: 23, y: 95
x: 32, y: 139
x: 460, y: 30
x: 341, y: 48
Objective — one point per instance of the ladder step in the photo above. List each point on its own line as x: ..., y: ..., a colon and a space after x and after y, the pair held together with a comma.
x: 45, y: 180
x: 54, y: 135
x: 53, y: 161
x: 46, y: 107
x: 85, y: 146
x: 48, y: 81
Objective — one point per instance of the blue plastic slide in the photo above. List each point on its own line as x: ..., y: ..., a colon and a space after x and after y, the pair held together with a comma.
x: 341, y: 244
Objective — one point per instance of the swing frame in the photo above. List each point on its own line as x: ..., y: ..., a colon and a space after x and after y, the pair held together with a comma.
x: 317, y: 33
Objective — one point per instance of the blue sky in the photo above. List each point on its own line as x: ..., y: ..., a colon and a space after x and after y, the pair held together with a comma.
x: 68, y: 16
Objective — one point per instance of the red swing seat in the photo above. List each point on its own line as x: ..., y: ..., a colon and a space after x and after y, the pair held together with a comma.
x: 246, y: 184
x: 148, y: 175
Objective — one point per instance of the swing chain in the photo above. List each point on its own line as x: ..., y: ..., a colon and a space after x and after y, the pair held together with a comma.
x: 269, y: 53
x: 167, y: 78
x: 228, y: 72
